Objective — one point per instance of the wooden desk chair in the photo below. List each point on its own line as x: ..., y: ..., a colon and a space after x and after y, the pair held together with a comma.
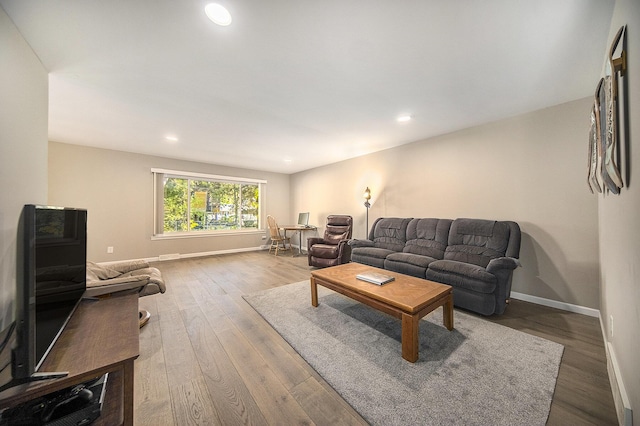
x: 278, y: 242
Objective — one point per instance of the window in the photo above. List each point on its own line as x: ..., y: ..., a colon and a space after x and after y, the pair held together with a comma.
x: 194, y: 203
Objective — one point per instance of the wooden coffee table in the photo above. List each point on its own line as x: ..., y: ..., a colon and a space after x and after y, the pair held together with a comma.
x: 406, y: 298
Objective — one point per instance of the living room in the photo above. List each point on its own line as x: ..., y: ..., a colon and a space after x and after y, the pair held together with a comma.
x: 579, y: 250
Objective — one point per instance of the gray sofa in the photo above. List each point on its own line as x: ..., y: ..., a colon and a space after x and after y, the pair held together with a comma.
x: 474, y: 256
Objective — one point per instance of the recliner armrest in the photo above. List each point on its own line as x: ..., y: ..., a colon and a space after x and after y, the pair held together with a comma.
x: 354, y: 243
x: 314, y: 240
x: 502, y: 263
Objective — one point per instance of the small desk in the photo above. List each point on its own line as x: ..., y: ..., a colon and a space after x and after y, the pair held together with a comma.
x: 299, y: 229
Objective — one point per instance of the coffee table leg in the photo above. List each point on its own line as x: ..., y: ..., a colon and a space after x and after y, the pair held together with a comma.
x: 447, y: 312
x: 314, y: 292
x: 410, y: 337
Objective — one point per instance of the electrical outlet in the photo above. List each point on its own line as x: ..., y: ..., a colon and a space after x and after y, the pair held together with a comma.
x: 109, y: 249
x: 610, y: 325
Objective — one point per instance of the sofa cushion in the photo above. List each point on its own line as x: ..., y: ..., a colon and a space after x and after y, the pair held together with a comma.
x: 461, y: 274
x: 427, y: 237
x: 373, y: 252
x: 410, y: 258
x: 405, y: 268
x: 408, y: 264
x: 477, y: 241
x: 390, y: 233
x: 371, y: 256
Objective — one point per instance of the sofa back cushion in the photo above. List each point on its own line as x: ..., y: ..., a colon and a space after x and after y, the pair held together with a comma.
x: 427, y: 237
x: 477, y: 241
x: 389, y: 233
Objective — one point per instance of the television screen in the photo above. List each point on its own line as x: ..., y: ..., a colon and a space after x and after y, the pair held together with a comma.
x: 51, y: 280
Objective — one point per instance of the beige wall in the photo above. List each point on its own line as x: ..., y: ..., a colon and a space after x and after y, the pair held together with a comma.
x: 23, y: 147
x: 620, y: 228
x: 117, y: 190
x: 530, y: 169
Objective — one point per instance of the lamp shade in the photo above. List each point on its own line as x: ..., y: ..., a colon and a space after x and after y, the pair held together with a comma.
x: 367, y: 194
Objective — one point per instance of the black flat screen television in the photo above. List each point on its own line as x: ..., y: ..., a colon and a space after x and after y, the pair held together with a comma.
x: 51, y: 279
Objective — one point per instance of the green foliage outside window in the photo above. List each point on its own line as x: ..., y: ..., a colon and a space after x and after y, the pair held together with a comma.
x: 205, y: 205
x: 175, y: 204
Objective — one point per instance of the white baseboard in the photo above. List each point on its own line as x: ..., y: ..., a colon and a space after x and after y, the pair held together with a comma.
x: 620, y: 397
x: 175, y: 256
x: 555, y: 304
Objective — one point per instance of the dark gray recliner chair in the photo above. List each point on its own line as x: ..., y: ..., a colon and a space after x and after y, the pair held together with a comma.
x: 332, y: 249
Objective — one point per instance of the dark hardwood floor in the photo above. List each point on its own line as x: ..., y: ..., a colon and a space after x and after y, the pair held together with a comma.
x: 206, y: 357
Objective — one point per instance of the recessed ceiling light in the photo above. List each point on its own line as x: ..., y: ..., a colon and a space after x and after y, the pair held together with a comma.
x: 404, y: 118
x: 171, y: 138
x: 288, y: 160
x: 218, y: 14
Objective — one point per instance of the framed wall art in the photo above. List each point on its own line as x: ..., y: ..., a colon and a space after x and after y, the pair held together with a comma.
x: 604, y: 153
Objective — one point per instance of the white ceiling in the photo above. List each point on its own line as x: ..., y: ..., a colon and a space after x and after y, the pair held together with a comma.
x: 313, y: 82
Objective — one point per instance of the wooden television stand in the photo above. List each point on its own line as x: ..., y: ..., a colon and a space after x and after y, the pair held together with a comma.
x: 101, y: 337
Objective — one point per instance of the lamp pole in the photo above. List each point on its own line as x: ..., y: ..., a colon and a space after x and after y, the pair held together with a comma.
x: 367, y: 197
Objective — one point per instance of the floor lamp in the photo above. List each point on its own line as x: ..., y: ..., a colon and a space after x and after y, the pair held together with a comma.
x: 367, y: 204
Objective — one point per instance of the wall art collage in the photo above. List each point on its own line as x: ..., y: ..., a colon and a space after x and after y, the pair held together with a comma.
x: 609, y: 123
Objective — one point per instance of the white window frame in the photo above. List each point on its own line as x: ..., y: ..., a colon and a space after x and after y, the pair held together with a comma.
x: 158, y: 203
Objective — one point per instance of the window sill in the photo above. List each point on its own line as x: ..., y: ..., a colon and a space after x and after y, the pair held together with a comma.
x: 174, y: 236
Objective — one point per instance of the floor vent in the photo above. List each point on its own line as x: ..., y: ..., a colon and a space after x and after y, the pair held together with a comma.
x: 172, y: 256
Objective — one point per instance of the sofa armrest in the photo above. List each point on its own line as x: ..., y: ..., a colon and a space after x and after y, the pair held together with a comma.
x: 354, y: 243
x: 499, y: 263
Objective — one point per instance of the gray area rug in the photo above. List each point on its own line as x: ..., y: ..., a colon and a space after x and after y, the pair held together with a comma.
x: 478, y: 374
